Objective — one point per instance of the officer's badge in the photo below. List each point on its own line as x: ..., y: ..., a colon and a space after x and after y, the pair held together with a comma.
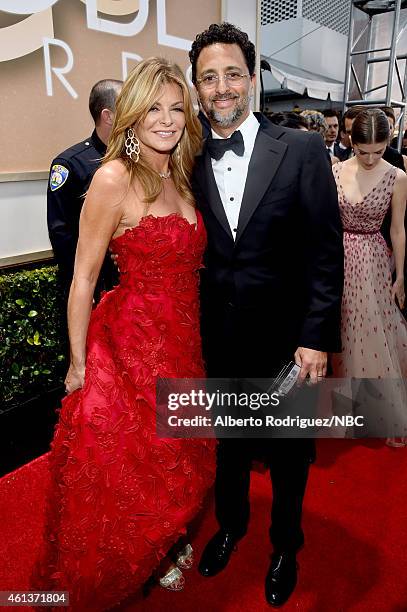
x: 58, y: 176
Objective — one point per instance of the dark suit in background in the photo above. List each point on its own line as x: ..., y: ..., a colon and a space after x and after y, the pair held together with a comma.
x: 340, y: 153
x: 393, y: 157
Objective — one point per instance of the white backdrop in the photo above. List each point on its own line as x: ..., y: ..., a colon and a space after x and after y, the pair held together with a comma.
x: 23, y: 221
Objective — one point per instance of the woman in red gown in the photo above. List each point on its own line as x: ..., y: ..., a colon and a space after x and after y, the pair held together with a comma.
x: 122, y: 497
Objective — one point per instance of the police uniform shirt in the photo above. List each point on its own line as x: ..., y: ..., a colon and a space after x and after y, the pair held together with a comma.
x: 70, y: 176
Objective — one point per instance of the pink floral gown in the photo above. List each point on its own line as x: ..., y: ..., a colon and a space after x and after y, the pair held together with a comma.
x: 374, y: 332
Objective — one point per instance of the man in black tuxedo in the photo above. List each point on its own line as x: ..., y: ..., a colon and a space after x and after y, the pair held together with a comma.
x: 272, y: 284
x: 331, y: 134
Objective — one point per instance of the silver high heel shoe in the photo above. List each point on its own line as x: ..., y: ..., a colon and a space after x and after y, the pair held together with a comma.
x: 185, y: 558
x: 396, y: 442
x: 173, y: 580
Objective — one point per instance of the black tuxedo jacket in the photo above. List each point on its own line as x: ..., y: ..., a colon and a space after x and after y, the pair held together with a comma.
x: 393, y: 157
x: 341, y: 154
x: 280, y: 282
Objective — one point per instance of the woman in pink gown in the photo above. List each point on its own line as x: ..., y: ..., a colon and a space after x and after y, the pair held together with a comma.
x: 374, y: 333
x: 121, y: 496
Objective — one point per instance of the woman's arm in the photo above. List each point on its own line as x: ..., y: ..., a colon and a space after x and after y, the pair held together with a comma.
x: 397, y: 233
x: 99, y: 219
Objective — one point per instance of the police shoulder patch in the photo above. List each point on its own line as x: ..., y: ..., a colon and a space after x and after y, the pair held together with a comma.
x: 58, y: 176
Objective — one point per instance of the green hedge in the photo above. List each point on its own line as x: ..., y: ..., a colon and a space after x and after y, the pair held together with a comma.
x: 32, y: 335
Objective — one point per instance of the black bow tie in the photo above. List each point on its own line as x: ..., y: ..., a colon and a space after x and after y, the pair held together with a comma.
x: 217, y: 147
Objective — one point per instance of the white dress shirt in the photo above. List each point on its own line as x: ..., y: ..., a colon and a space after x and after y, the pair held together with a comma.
x: 231, y: 171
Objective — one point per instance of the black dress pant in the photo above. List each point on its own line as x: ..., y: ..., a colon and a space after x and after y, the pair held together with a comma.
x: 288, y: 461
x: 238, y: 344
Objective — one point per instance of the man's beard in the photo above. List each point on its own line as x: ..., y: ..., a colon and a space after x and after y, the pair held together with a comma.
x: 226, y: 121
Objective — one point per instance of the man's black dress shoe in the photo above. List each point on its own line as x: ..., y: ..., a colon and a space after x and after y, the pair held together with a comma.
x: 217, y: 553
x: 281, y: 578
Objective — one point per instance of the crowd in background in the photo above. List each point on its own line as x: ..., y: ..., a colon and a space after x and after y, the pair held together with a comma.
x: 335, y: 128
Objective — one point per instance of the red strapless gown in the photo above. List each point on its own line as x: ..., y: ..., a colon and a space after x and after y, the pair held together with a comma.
x: 121, y: 497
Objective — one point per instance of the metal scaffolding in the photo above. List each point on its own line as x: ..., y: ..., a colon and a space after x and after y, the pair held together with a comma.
x: 374, y: 8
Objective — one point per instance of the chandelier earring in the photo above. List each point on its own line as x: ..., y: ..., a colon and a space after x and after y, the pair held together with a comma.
x: 132, y: 145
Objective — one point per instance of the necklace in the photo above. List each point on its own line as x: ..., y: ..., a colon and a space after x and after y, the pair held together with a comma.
x: 165, y: 175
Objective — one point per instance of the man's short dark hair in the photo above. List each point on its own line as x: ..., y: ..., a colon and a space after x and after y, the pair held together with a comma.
x: 291, y: 120
x: 330, y: 112
x: 352, y: 112
x: 389, y: 112
x: 103, y: 95
x: 225, y: 33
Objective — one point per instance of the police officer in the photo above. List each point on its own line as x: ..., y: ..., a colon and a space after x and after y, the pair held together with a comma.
x: 70, y: 176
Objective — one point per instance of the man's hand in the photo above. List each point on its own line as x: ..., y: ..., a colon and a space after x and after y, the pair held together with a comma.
x: 311, y: 362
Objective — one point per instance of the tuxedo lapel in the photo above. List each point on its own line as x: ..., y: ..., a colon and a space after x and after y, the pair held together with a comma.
x: 210, y: 189
x: 266, y: 158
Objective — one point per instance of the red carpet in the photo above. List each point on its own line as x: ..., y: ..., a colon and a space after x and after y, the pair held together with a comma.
x: 355, y: 524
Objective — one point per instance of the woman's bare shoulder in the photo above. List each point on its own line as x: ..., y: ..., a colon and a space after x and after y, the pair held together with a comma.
x: 386, y: 165
x: 346, y: 167
x: 112, y: 173
x: 110, y: 182
x: 109, y: 186
x: 401, y: 179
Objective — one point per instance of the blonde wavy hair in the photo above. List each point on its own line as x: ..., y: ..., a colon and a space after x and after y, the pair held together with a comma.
x: 139, y: 93
x: 316, y: 121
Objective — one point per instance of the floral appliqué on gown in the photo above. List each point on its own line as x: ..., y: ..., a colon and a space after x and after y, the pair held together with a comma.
x: 121, y: 497
x: 374, y: 332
